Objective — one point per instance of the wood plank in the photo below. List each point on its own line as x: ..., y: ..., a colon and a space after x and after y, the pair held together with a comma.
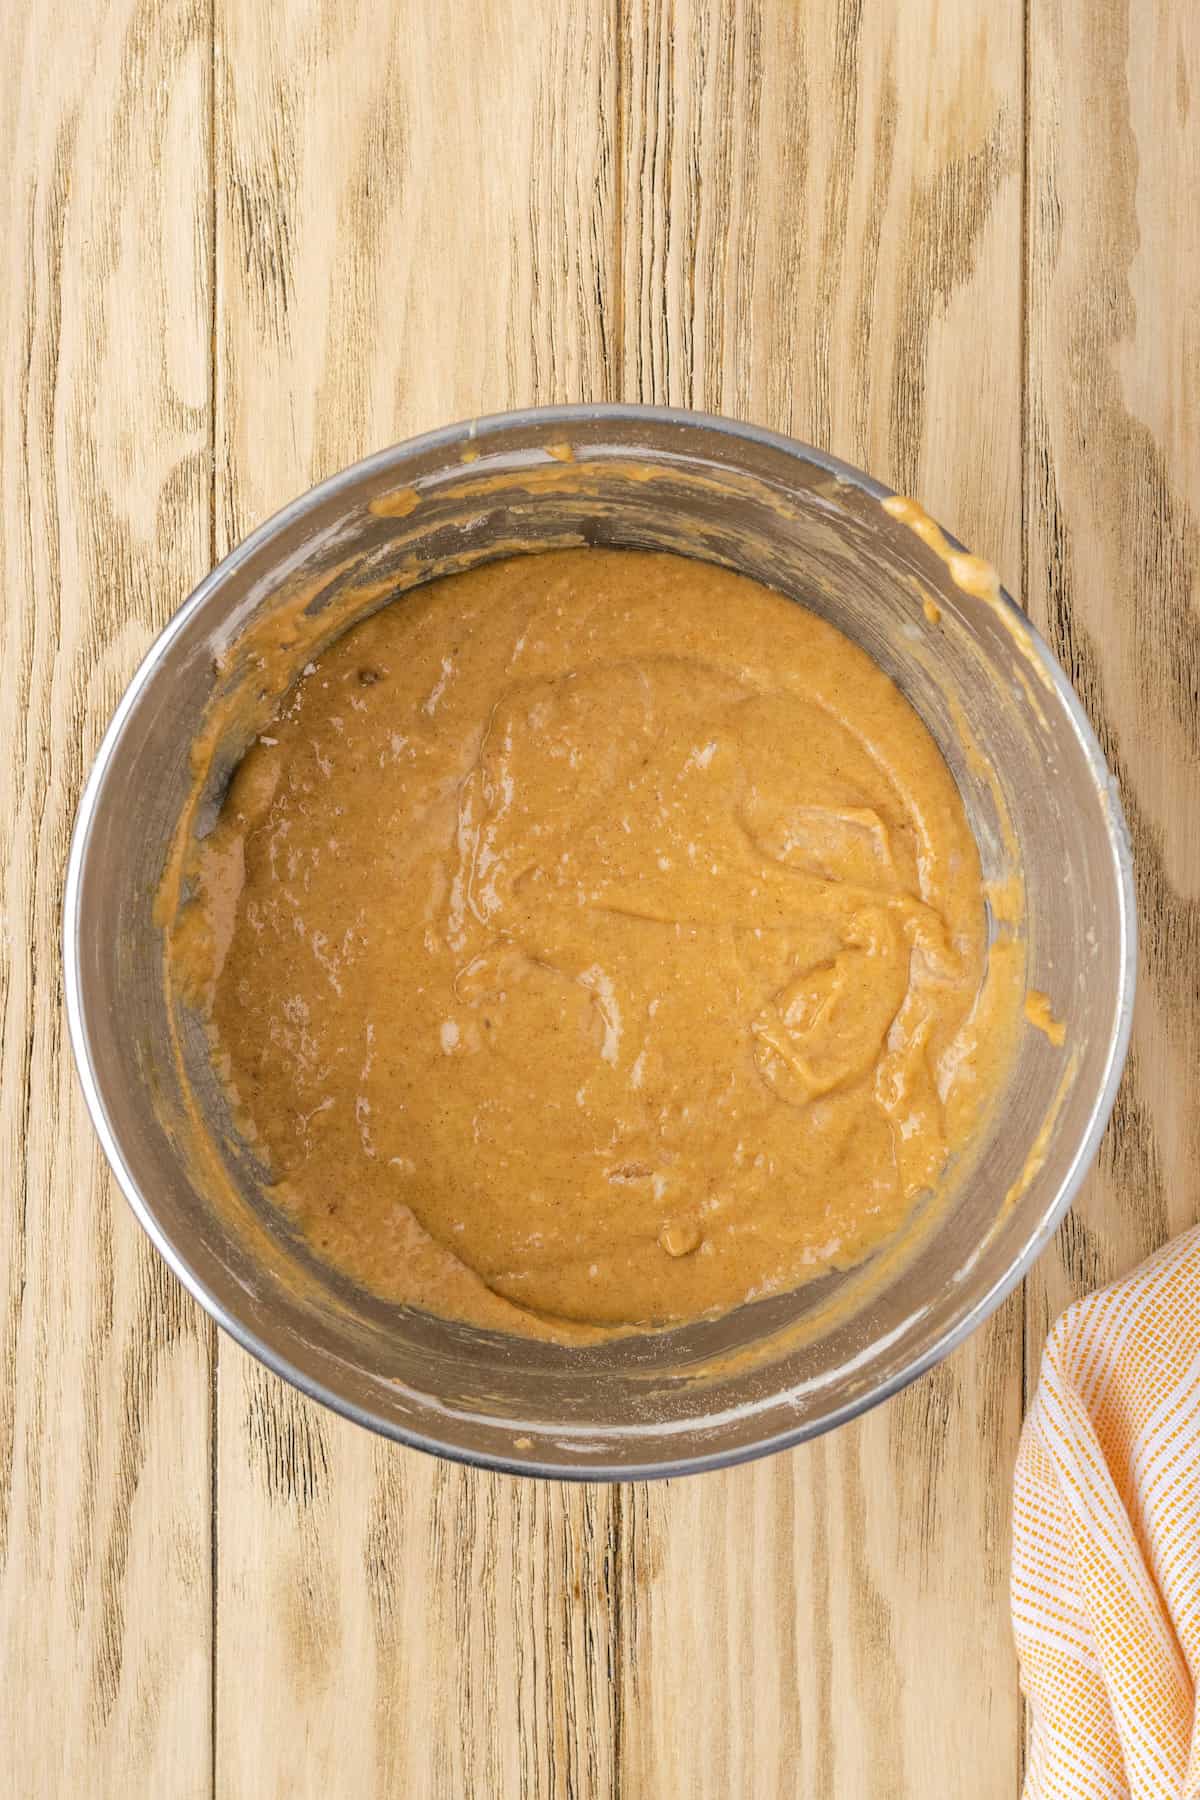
x: 822, y: 229
x: 415, y: 219
x: 105, y: 1597
x: 1113, y: 461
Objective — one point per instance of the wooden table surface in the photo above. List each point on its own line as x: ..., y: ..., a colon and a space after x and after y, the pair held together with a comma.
x: 956, y: 241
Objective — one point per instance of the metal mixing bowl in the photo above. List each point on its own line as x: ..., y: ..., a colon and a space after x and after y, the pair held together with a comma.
x: 1013, y: 732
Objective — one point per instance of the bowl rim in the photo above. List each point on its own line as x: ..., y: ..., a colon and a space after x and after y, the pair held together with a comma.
x: 471, y: 431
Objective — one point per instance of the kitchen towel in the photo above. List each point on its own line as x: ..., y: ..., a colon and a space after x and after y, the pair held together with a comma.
x: 1106, y: 1541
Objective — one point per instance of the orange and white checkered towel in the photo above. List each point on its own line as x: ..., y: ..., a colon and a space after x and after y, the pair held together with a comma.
x: 1106, y: 1541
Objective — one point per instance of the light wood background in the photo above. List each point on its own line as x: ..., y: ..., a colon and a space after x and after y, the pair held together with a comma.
x: 246, y: 241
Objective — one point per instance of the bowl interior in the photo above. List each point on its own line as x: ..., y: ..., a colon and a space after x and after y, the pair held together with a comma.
x: 1038, y: 797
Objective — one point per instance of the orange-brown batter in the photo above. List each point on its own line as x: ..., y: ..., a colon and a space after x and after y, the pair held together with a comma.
x: 596, y: 939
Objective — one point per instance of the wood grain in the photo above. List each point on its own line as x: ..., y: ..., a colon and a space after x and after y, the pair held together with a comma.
x: 250, y: 242
x: 415, y: 222
x: 1113, y: 469
x: 104, y: 434
x: 822, y: 222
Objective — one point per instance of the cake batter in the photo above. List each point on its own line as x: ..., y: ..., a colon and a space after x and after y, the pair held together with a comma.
x: 595, y: 940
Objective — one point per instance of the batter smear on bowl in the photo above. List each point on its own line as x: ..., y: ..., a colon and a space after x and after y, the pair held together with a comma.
x: 596, y: 939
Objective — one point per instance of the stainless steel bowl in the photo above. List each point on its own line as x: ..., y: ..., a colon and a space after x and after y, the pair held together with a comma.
x: 773, y: 1372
